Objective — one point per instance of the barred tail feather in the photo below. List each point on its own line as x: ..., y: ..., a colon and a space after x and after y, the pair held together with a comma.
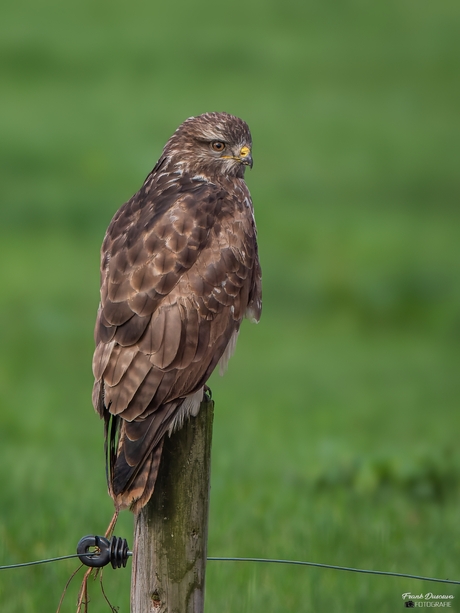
x: 141, y: 488
x: 133, y: 455
x: 133, y: 449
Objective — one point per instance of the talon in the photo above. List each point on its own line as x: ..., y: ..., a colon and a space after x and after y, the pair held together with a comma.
x: 207, y: 395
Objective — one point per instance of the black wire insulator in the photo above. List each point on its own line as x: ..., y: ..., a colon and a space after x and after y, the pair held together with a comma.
x: 119, y: 552
x: 98, y: 551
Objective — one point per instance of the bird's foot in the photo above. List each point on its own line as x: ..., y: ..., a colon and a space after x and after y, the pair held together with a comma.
x: 111, y: 526
x: 207, y: 394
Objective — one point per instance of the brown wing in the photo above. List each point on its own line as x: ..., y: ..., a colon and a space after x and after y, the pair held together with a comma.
x: 179, y: 271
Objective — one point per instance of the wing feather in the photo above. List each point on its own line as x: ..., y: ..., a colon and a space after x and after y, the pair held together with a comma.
x: 204, y: 332
x: 152, y: 340
x: 189, y: 338
x: 101, y: 357
x: 120, y: 360
x: 177, y: 276
x: 121, y: 291
x: 118, y: 397
x: 171, y: 336
x: 144, y: 303
x: 144, y: 395
x: 117, y: 313
x: 144, y: 278
x: 130, y: 332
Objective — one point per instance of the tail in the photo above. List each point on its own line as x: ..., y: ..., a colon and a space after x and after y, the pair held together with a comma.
x: 133, y: 454
x: 141, y: 487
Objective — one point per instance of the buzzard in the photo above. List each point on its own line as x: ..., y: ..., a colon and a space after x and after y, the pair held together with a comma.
x: 179, y: 272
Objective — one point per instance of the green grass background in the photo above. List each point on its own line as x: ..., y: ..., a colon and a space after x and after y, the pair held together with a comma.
x: 337, y: 426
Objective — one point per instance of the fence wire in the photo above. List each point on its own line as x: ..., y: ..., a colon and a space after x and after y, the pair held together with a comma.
x: 270, y: 561
x: 334, y: 567
x: 36, y: 562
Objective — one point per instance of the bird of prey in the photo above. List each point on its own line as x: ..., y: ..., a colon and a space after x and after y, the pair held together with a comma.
x: 179, y: 272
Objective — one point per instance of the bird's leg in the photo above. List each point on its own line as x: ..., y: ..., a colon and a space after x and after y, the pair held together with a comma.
x: 111, y: 526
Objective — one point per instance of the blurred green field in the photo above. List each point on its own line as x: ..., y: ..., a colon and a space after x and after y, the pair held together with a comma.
x: 337, y: 425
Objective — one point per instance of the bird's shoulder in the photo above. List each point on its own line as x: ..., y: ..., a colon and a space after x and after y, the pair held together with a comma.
x: 159, y: 235
x: 175, y: 202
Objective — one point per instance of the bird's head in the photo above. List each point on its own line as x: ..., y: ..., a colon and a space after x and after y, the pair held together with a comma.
x: 210, y: 145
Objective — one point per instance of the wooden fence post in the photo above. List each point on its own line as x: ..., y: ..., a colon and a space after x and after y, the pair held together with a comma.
x: 171, y: 531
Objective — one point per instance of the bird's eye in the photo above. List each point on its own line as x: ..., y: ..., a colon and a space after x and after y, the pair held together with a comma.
x: 218, y: 145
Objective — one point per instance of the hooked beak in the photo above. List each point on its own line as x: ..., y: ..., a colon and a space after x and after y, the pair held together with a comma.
x: 245, y: 156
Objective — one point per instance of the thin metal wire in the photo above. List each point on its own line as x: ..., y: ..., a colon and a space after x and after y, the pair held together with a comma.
x: 272, y: 561
x: 353, y: 570
x: 73, y: 555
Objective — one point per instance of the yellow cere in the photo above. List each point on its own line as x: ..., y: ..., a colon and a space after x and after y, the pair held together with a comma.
x: 245, y: 151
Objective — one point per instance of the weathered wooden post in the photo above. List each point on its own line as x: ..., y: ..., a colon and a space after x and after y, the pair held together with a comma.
x: 171, y: 531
